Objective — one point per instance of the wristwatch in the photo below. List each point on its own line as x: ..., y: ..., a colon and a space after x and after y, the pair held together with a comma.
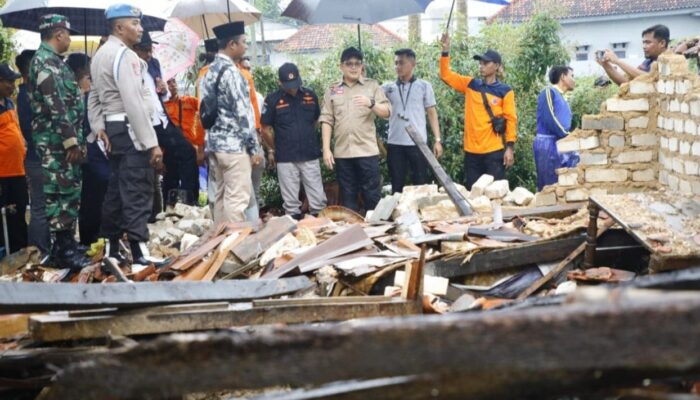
x: 371, y: 103
x: 438, y: 140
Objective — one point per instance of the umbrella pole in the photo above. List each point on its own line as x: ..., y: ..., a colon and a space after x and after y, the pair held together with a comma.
x: 449, y: 18
x: 228, y: 10
x: 206, y: 30
x: 359, y: 37
x: 85, y: 24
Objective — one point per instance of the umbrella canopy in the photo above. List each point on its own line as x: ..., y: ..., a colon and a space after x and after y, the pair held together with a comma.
x: 176, y: 49
x: 352, y: 11
x: 202, y: 15
x: 87, y: 17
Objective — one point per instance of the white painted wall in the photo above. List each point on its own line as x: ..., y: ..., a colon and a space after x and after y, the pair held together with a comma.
x: 602, y: 34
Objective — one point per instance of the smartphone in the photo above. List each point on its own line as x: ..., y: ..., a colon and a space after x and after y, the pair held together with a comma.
x: 600, y: 54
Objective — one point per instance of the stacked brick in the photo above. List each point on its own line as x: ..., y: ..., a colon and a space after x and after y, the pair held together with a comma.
x: 646, y: 137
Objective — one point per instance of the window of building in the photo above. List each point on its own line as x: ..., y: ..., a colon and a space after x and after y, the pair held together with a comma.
x: 620, y: 49
x: 582, y: 52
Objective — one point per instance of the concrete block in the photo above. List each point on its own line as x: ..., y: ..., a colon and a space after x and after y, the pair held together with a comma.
x: 545, y: 199
x: 695, y: 108
x: 678, y: 166
x: 480, y: 185
x: 663, y: 177
x: 616, y: 141
x: 672, y: 144
x: 619, y: 105
x: 594, y: 158
x: 597, y: 191
x: 691, y: 167
x: 683, y: 87
x: 569, y: 143
x: 606, y: 175
x: 639, y: 122
x: 497, y: 189
x: 684, y: 187
x: 663, y: 105
x: 668, y: 124
x: 674, y: 106
x: 646, y: 139
x: 664, y: 69
x: 568, y: 179
x: 660, y: 121
x: 673, y: 181
x: 644, y: 175
x: 522, y: 196
x: 634, y: 157
x: 678, y: 125
x: 575, y: 195
x: 684, y: 147
x: 695, y: 149
x: 661, y: 86
x: 590, y: 142
x: 670, y: 87
x: 480, y: 204
x: 696, y: 188
x: 663, y: 142
x: 641, y: 87
x: 609, y: 123
x: 666, y: 162
x: 690, y: 127
x: 685, y: 108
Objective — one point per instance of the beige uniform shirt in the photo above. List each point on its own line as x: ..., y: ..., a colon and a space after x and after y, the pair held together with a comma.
x: 119, y: 87
x: 353, y: 126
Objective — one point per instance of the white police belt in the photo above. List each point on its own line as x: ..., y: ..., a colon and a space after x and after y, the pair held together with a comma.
x: 116, y: 117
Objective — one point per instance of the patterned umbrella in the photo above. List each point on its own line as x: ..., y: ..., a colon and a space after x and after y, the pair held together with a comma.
x: 176, y: 48
x: 87, y: 17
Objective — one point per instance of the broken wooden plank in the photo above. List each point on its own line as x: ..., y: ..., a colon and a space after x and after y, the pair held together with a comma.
x: 627, y: 334
x: 114, y: 269
x: 222, y: 252
x: 557, y: 211
x: 505, y: 258
x: 457, y: 198
x: 253, y: 246
x: 183, y: 263
x: 50, y: 328
x: 564, y: 264
x: 351, y: 239
x: 24, y: 297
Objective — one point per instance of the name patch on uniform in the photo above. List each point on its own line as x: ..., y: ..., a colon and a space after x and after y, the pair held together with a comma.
x: 281, y: 104
x: 337, y: 90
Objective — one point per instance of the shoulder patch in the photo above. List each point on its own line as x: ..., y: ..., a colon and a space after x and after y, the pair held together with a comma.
x: 41, y: 77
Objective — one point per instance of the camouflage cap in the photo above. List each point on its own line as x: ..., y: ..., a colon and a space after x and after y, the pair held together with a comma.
x: 51, y: 21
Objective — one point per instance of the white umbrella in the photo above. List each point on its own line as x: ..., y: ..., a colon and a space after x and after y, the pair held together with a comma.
x: 202, y: 15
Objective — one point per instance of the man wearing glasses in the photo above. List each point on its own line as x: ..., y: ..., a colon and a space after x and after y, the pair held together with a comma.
x: 348, y: 113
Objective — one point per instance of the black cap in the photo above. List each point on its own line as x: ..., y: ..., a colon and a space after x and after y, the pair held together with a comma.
x: 146, y: 40
x: 289, y: 76
x: 211, y: 46
x: 489, y: 56
x: 229, y: 30
x: 8, y: 74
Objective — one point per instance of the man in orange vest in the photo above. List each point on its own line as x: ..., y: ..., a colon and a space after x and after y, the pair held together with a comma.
x: 184, y: 113
x: 13, y: 184
x: 211, y: 47
x: 490, y: 121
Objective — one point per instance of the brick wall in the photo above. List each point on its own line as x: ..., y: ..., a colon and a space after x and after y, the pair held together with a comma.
x: 646, y: 137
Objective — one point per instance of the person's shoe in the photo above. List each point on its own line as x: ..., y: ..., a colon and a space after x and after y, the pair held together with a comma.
x: 140, y: 255
x: 297, y: 217
x: 65, y: 253
x: 112, y: 251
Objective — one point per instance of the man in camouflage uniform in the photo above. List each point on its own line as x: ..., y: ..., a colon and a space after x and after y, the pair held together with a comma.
x: 58, y: 111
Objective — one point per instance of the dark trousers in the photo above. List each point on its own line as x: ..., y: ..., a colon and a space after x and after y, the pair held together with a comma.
x: 180, y: 159
x: 399, y: 160
x: 359, y: 175
x: 127, y: 204
x: 95, y: 182
x: 476, y: 165
x: 13, y: 191
x: 39, y: 234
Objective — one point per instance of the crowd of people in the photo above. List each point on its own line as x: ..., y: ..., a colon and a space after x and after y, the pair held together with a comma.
x: 89, y: 139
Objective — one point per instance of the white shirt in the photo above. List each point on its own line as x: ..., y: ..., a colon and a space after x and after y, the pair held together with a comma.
x: 159, y: 117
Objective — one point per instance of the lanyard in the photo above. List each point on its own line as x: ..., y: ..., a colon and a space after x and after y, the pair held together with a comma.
x: 408, y: 94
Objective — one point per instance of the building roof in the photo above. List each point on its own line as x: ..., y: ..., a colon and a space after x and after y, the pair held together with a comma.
x: 520, y: 10
x: 312, y: 38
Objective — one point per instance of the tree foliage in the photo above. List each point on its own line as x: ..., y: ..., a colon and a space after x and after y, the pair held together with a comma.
x: 528, y: 51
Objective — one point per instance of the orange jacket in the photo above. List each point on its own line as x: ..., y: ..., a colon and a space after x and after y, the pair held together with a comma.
x: 203, y: 71
x: 191, y: 128
x: 253, y: 96
x: 479, y: 137
x: 12, y: 146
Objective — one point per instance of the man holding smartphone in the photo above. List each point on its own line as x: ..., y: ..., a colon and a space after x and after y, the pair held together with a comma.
x: 654, y: 42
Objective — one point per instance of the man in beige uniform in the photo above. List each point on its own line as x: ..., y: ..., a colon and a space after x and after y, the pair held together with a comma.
x: 119, y: 109
x: 348, y: 112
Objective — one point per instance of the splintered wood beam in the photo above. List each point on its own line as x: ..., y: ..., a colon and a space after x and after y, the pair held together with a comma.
x: 51, y: 328
x: 460, y: 202
x: 505, y: 258
x: 253, y: 246
x: 634, y: 333
x: 29, y: 297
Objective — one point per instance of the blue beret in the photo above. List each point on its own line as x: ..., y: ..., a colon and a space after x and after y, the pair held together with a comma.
x: 122, y: 11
